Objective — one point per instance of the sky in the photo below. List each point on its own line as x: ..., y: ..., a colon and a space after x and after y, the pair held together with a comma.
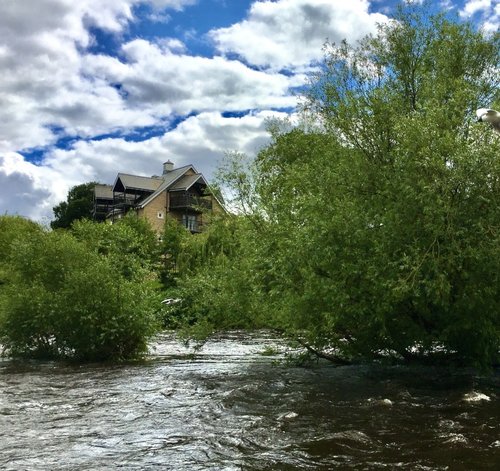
x: 90, y: 88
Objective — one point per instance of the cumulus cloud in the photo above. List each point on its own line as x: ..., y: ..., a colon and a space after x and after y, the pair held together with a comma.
x: 29, y: 190
x: 174, y: 4
x: 44, y: 83
x: 473, y: 6
x: 487, y: 10
x: 200, y: 140
x: 51, y: 81
x: 20, y: 195
x: 54, y: 85
x: 33, y: 190
x: 290, y: 33
x: 182, y: 84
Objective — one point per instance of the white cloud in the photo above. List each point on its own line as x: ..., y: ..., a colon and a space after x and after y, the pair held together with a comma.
x: 471, y: 7
x: 201, y: 140
x: 44, y: 82
x: 52, y: 85
x: 29, y: 190
x: 446, y: 5
x: 174, y: 4
x: 492, y: 19
x: 488, y: 11
x: 162, y: 82
x: 290, y: 33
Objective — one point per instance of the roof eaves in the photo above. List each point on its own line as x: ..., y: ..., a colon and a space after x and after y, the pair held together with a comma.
x: 191, y: 180
x: 166, y: 184
x: 217, y: 199
x: 137, y: 182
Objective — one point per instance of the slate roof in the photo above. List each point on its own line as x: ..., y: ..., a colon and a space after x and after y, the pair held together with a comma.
x: 138, y: 183
x: 187, y: 181
x: 103, y: 191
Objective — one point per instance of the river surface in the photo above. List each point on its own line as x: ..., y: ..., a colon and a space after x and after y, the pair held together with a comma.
x: 228, y: 407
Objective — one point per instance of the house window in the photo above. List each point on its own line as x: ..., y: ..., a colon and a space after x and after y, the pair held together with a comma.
x: 160, y: 215
x: 189, y: 221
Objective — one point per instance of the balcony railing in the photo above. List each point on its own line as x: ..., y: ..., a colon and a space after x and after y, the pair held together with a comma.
x: 125, y: 201
x: 186, y: 200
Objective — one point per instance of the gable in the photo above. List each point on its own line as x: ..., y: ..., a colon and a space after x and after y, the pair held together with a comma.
x: 187, y: 181
x: 169, y: 180
x: 125, y: 182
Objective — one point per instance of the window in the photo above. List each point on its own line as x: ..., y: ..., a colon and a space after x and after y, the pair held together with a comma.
x: 189, y: 221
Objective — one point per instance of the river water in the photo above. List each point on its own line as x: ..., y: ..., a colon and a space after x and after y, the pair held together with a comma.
x: 228, y: 407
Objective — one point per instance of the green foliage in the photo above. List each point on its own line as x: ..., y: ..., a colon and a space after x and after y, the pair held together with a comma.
x: 411, y: 215
x: 235, y: 174
x: 78, y: 205
x: 370, y: 228
x: 214, y: 281
x: 65, y: 300
x: 377, y: 230
x: 129, y: 244
x: 11, y: 228
x: 172, y: 241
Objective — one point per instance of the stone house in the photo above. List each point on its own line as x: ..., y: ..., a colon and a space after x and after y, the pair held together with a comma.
x: 181, y: 193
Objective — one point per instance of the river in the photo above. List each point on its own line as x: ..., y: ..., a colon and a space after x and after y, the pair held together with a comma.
x: 229, y: 407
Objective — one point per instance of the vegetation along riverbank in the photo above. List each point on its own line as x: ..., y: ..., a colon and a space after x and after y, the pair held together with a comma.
x: 367, y: 230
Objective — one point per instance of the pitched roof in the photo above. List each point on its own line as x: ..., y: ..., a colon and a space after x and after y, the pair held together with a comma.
x: 187, y: 181
x: 169, y: 179
x: 138, y: 183
x: 103, y: 191
x: 175, y: 180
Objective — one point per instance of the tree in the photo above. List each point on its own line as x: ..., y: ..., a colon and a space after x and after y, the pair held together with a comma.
x: 422, y: 183
x: 216, y: 280
x: 129, y: 244
x: 78, y: 205
x: 11, y: 228
x: 378, y: 229
x: 171, y: 244
x: 63, y: 299
x: 397, y: 249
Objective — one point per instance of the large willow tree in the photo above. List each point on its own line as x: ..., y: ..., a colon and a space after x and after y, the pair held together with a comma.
x: 372, y: 229
x: 385, y: 224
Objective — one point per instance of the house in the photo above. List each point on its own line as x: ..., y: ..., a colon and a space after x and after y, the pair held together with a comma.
x: 181, y: 193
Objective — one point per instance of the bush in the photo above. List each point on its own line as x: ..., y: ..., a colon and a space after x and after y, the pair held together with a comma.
x: 63, y: 300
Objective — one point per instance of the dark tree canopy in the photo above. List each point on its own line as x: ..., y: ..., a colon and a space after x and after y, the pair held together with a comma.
x: 78, y: 205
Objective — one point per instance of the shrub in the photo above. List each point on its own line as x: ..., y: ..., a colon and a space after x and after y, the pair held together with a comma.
x: 63, y: 300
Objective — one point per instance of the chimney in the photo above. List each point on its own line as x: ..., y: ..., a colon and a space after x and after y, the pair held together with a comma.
x: 168, y: 167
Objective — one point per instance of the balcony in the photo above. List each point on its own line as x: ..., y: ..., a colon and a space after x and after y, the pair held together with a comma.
x: 183, y: 200
x: 125, y: 201
x: 101, y: 210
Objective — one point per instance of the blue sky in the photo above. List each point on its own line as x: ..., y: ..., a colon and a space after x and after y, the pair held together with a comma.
x: 91, y: 88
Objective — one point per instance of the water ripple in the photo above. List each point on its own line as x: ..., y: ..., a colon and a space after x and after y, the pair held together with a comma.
x: 227, y: 407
